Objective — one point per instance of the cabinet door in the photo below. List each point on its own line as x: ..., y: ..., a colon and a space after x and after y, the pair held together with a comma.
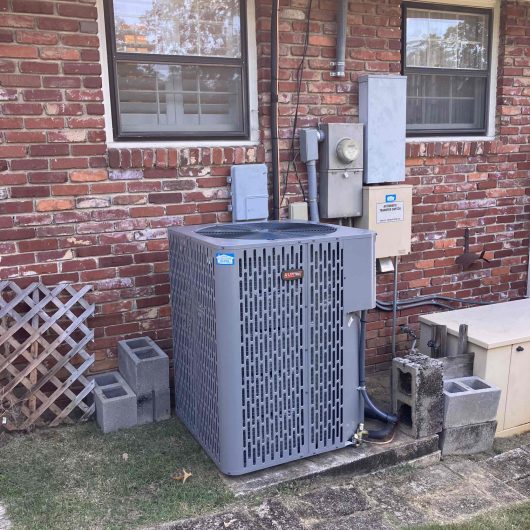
x: 518, y: 396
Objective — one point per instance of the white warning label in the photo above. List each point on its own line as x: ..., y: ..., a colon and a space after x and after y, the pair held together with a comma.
x: 389, y: 212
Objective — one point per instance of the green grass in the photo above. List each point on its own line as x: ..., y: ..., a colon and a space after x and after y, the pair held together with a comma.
x: 516, y: 517
x: 77, y: 478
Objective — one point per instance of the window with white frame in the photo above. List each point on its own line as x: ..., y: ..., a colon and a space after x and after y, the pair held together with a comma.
x: 447, y: 61
x: 177, y: 68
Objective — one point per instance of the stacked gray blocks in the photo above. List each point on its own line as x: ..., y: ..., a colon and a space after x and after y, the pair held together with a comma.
x: 470, y: 408
x: 469, y: 439
x: 115, y: 402
x: 418, y: 394
x: 146, y: 368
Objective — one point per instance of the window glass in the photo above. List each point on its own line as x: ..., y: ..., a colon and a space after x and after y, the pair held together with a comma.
x: 178, y: 68
x: 210, y: 28
x: 448, y: 102
x: 161, y: 97
x: 443, y: 39
x: 447, y: 67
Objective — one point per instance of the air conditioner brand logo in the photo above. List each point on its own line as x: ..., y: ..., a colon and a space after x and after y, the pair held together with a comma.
x: 293, y: 274
x: 222, y: 258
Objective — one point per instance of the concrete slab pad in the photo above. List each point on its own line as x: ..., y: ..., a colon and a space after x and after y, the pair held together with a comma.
x: 456, y: 504
x: 330, y: 502
x: 512, y: 465
x: 272, y: 514
x: 350, y: 460
x: 522, y: 486
x: 480, y: 478
x: 372, y: 520
x: 232, y: 520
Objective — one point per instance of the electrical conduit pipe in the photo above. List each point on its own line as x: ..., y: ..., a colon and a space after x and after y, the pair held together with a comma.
x: 370, y: 409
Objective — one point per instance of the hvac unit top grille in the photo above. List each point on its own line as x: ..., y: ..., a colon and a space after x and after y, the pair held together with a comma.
x: 266, y: 231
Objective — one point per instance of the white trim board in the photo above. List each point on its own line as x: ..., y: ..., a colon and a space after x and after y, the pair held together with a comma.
x: 252, y: 93
x: 495, y: 5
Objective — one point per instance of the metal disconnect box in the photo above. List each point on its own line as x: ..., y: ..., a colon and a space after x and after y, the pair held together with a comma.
x: 387, y: 210
x: 382, y: 109
x: 265, y: 343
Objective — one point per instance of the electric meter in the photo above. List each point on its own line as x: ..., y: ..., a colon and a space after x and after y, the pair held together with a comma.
x: 347, y: 150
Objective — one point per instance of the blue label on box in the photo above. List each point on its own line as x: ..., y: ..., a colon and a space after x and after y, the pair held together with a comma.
x: 225, y: 258
x: 391, y: 198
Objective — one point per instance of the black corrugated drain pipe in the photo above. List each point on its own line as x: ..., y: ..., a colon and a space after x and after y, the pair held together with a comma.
x: 370, y: 409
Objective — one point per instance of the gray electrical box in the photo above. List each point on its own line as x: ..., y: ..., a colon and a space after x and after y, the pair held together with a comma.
x: 341, y: 170
x: 250, y: 197
x: 265, y: 338
x: 382, y: 109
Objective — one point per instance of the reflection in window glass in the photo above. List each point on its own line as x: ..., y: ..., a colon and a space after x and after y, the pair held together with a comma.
x: 443, y: 39
x: 179, y: 98
x: 210, y: 28
x: 445, y: 102
x: 447, y: 69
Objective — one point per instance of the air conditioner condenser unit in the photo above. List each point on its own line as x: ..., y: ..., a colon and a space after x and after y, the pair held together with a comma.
x: 266, y: 337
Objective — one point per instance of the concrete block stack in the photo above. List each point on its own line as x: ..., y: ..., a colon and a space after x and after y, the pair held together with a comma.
x: 418, y: 394
x: 470, y: 408
x: 146, y: 368
x: 139, y: 393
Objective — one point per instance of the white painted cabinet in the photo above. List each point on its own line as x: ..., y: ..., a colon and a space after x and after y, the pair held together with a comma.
x: 499, y: 335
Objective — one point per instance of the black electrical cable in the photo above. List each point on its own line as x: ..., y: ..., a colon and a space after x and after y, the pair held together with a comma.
x: 299, y: 78
x: 276, y: 184
x: 428, y: 298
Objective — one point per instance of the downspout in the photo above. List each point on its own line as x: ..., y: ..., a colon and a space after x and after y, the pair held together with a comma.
x: 274, y: 112
x: 342, y: 25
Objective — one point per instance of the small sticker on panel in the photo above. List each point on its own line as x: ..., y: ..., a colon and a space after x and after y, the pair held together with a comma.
x: 292, y: 274
x: 389, y: 212
x: 225, y: 258
x: 391, y: 198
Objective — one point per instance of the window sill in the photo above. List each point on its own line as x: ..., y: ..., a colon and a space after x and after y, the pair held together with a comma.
x: 161, y: 144
x: 439, y: 139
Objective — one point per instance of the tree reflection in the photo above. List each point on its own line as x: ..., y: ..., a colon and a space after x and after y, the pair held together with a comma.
x: 180, y: 27
x: 462, y: 45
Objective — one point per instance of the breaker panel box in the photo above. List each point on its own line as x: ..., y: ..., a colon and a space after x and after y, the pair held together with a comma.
x: 341, y: 170
x: 250, y: 196
x: 382, y: 110
x: 387, y: 210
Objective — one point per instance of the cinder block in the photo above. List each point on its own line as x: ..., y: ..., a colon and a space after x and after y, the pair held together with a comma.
x: 105, y: 379
x: 154, y: 406
x: 143, y: 364
x: 115, y: 407
x: 468, y: 439
x: 418, y: 394
x: 469, y: 400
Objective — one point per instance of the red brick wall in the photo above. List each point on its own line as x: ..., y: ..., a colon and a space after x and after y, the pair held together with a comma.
x: 81, y: 213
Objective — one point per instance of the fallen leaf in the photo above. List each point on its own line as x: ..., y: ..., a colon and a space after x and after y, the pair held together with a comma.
x: 181, y: 475
x: 228, y: 524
